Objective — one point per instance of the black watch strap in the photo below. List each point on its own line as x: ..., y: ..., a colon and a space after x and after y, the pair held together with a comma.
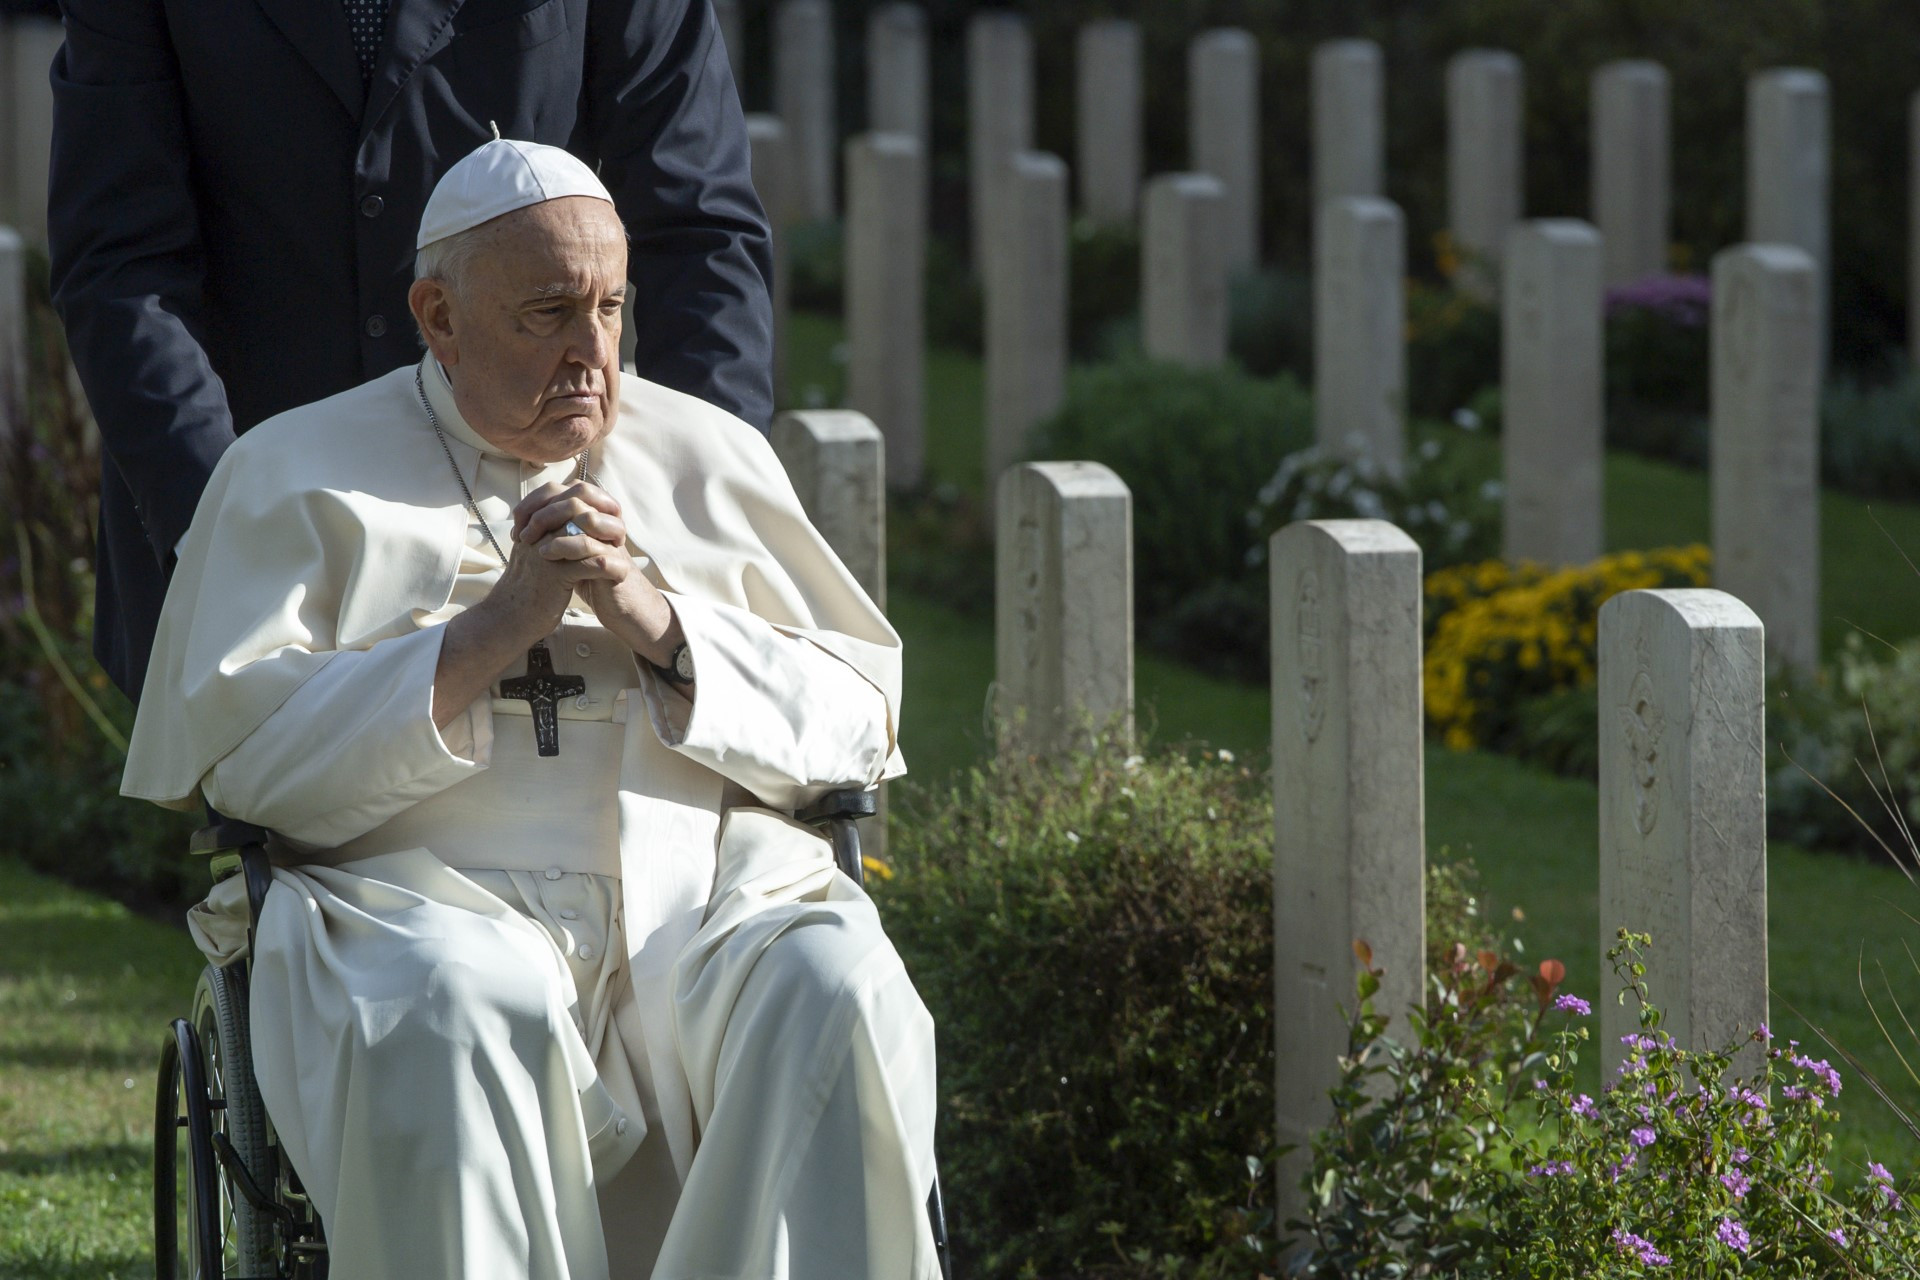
x: 679, y: 668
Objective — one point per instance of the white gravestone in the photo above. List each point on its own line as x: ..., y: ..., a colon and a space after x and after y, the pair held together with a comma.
x: 13, y: 339
x: 1764, y: 442
x: 1349, y: 120
x: 34, y: 41
x: 1349, y: 815
x: 1183, y: 271
x: 1631, y: 169
x: 1107, y: 118
x: 1359, y: 330
x: 1553, y: 356
x: 771, y: 163
x: 897, y: 75
x: 1026, y: 339
x: 837, y: 462
x: 1683, y: 814
x: 1223, y: 120
x: 1063, y: 604
x: 999, y: 114
x: 732, y: 35
x: 1485, y: 164
x: 886, y: 246
x: 803, y: 97
x: 1788, y: 174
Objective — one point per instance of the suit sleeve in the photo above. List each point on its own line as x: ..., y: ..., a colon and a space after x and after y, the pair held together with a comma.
x: 663, y: 117
x: 127, y: 263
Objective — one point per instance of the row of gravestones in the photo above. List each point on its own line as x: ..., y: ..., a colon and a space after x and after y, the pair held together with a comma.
x: 1682, y: 821
x: 1787, y: 133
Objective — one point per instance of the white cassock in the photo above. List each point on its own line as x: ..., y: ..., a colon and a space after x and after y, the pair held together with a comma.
x: 605, y: 1014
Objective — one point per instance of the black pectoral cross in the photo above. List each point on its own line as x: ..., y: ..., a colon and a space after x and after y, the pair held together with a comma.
x: 541, y: 689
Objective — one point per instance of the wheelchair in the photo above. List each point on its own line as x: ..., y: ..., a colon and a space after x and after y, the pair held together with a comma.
x: 244, y: 1215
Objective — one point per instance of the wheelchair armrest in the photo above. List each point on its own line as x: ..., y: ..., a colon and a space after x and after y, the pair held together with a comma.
x: 851, y: 803
x: 225, y: 834
x: 238, y: 846
x: 835, y: 813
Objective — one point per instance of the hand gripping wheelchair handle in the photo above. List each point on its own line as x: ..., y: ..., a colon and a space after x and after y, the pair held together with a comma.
x: 835, y: 814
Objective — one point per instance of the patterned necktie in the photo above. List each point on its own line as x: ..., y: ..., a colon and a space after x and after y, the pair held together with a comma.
x: 366, y: 19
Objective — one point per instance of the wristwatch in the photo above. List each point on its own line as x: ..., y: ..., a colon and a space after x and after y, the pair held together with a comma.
x: 679, y: 668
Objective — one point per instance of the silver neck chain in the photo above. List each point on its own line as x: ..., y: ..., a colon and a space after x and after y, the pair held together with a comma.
x: 580, y: 471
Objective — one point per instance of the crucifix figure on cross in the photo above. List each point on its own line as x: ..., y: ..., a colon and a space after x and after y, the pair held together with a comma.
x: 541, y: 689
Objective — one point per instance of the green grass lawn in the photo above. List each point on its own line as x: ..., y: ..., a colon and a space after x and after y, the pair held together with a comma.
x: 86, y: 989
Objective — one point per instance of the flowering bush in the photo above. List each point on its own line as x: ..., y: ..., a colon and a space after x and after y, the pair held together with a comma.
x: 1849, y: 750
x: 1499, y: 634
x: 1684, y: 1169
x: 1452, y: 513
x: 1473, y: 1153
x: 1658, y: 366
x: 1453, y: 342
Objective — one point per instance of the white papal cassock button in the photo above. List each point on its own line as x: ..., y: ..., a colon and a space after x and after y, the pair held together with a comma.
x: 583, y: 702
x: 569, y: 914
x: 586, y: 952
x: 583, y: 650
x: 620, y: 1125
x: 553, y: 873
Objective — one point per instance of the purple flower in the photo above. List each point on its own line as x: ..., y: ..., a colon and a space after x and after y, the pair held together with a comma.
x: 1642, y: 1137
x: 1878, y: 1172
x: 1839, y: 1236
x: 1741, y: 1155
x: 1573, y: 1004
x: 1551, y: 1169
x: 1686, y: 300
x: 1822, y: 1068
x: 1583, y: 1107
x: 1615, y: 1172
x: 1893, y: 1197
x: 1765, y: 1033
x: 1731, y: 1234
x: 1736, y: 1182
x: 1626, y: 1242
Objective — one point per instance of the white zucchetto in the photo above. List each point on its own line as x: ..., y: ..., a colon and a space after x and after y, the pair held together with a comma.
x: 499, y: 177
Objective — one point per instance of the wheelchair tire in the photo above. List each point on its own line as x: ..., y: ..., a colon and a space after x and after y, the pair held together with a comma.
x: 181, y: 1104
x: 250, y: 1237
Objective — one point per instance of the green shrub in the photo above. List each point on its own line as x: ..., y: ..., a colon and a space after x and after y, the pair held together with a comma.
x: 1194, y: 446
x: 1870, y: 437
x: 1846, y: 773
x: 1103, y: 292
x: 1440, y: 500
x: 1453, y: 349
x: 1470, y: 1152
x: 62, y: 725
x: 1270, y: 323
x: 1095, y: 941
x: 1658, y: 366
x: 816, y: 265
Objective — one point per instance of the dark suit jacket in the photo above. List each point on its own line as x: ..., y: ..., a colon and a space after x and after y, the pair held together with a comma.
x: 233, y: 215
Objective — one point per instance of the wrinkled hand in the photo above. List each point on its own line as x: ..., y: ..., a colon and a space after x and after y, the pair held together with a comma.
x: 595, y: 561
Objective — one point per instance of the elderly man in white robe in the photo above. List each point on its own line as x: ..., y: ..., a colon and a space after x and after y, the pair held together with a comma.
x: 527, y: 665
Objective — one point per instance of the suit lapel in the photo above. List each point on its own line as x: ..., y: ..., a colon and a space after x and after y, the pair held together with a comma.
x: 318, y: 30
x: 416, y: 29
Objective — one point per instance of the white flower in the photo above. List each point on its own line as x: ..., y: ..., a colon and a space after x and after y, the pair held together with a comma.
x: 1436, y: 511
x: 1367, y: 503
x: 1073, y: 837
x: 1466, y: 419
x: 1226, y: 756
x: 1132, y: 762
x: 1492, y: 490
x: 1429, y: 449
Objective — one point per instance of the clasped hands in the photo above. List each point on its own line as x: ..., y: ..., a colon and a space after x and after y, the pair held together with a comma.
x: 546, y: 563
x: 550, y: 561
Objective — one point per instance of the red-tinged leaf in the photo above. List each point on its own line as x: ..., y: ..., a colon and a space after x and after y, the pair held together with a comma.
x: 1363, y: 953
x: 1553, y: 971
x: 1489, y: 961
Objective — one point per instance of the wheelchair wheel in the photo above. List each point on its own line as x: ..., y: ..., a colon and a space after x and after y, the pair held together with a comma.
x: 207, y: 1089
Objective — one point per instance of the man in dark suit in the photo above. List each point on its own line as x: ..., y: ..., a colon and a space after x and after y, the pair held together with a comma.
x: 235, y: 190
